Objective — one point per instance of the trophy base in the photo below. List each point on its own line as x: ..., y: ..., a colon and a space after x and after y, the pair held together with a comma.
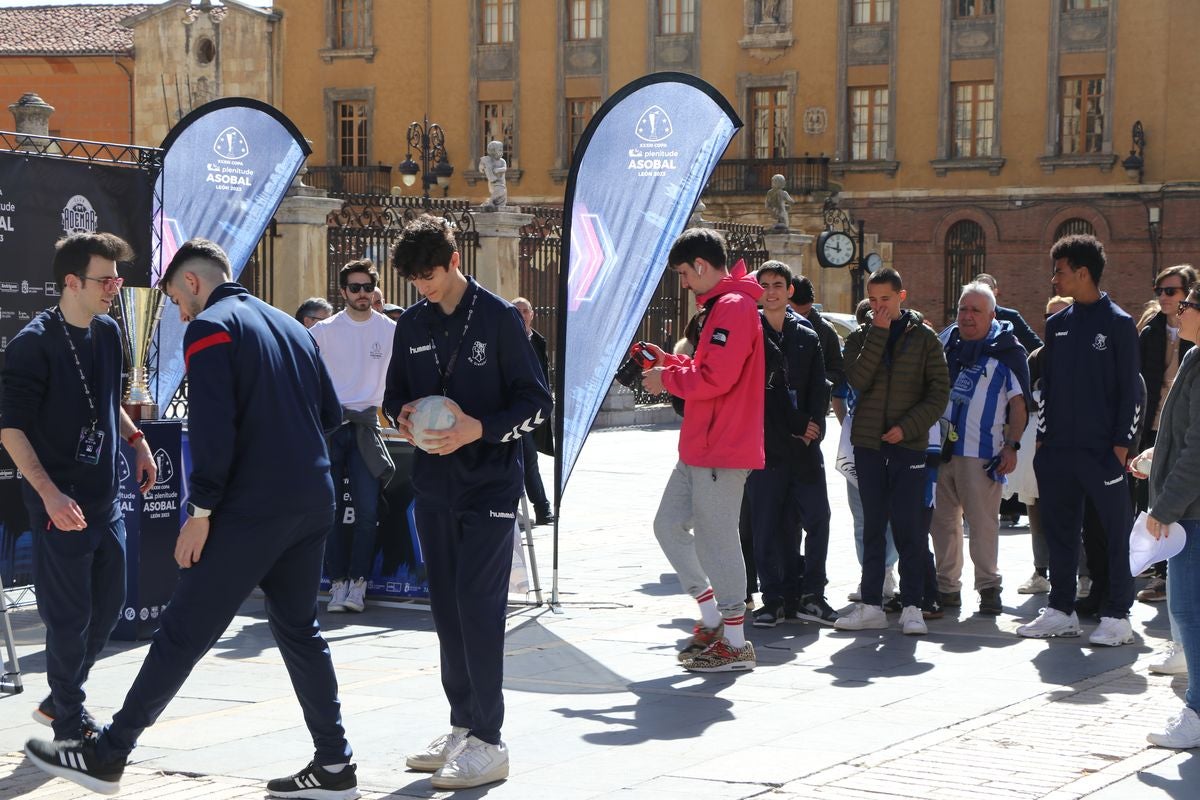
x: 141, y: 412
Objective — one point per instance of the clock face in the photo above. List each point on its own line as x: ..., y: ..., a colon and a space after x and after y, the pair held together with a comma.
x: 838, y: 249
x: 874, y: 262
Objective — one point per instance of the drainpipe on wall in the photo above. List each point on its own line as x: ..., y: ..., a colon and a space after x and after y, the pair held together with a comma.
x: 129, y: 75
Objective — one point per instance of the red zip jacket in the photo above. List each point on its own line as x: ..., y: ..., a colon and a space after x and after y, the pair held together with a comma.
x: 722, y: 386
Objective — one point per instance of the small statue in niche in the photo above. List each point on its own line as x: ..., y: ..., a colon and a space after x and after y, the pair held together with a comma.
x: 778, y: 201
x: 493, y: 166
x: 768, y: 11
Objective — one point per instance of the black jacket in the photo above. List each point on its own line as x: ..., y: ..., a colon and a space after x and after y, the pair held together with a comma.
x: 796, y: 394
x: 831, y: 349
x: 543, y: 435
x: 1152, y: 343
x: 1025, y: 335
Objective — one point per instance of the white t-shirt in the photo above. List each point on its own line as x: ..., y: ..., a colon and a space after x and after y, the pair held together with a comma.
x: 357, y: 355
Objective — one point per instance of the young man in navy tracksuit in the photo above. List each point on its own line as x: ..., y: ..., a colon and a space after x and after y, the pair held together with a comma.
x: 789, y: 491
x: 1090, y: 415
x: 260, y: 505
x: 465, y: 343
x: 62, y: 390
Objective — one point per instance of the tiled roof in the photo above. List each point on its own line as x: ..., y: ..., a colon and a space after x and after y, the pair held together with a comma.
x: 67, y: 30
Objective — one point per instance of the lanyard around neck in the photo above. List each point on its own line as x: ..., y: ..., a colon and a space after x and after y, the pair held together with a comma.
x: 87, y: 389
x: 444, y: 375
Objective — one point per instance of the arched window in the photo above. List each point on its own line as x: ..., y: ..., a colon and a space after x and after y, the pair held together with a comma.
x: 966, y: 252
x: 1074, y: 226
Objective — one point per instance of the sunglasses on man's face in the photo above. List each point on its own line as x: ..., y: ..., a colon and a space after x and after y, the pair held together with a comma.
x: 1169, y: 291
x: 1184, y: 305
x: 355, y: 288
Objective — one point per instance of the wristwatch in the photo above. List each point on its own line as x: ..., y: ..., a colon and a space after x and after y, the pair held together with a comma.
x: 1015, y: 445
x: 196, y: 512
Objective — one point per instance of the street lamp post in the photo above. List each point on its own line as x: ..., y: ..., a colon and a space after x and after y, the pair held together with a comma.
x: 428, y: 139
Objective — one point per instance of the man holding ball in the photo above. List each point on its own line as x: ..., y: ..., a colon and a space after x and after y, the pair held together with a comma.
x: 468, y: 345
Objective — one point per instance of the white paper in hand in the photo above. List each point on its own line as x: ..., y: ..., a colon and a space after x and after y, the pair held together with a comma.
x: 1145, y: 550
x: 433, y: 413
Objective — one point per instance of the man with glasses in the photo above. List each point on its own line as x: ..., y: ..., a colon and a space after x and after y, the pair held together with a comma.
x: 59, y: 420
x: 313, y: 310
x: 356, y: 346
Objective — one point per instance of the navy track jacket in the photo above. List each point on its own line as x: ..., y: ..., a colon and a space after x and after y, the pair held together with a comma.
x: 259, y: 404
x: 496, y: 378
x: 1090, y: 378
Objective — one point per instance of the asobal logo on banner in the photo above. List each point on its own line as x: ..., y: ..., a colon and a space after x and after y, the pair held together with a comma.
x: 165, y: 467
x: 231, y: 144
x: 652, y: 157
x: 78, y: 216
x: 228, y: 173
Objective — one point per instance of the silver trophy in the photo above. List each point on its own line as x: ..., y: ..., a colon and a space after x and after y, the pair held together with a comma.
x: 140, y: 310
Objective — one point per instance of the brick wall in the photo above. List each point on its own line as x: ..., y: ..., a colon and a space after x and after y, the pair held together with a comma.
x: 90, y: 95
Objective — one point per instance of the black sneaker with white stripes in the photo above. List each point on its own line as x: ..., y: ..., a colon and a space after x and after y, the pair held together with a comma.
x: 317, y: 783
x: 76, y: 761
x: 45, y: 713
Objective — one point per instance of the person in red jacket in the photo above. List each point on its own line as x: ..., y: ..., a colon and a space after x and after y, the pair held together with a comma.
x: 720, y: 442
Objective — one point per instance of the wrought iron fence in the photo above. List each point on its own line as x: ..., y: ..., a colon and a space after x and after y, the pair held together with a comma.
x: 367, y: 226
x: 539, y: 263
x: 342, y: 181
x: 803, y: 175
x: 258, y: 276
x: 746, y: 242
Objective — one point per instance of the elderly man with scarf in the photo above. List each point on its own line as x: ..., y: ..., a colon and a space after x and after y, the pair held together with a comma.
x: 987, y: 412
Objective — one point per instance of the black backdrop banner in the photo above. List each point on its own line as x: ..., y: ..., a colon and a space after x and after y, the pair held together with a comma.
x: 42, y: 199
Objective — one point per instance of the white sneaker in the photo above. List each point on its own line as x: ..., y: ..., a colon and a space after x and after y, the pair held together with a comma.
x: 1037, y: 584
x: 856, y: 595
x: 889, y: 583
x: 1050, y: 622
x: 1182, y: 733
x: 1083, y: 588
x: 912, y: 622
x: 1112, y: 632
x: 473, y: 763
x: 433, y: 757
x: 1171, y: 662
x: 356, y: 595
x: 337, y: 596
x: 862, y: 618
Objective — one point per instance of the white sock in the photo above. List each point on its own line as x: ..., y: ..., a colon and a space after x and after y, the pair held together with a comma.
x: 334, y: 768
x: 735, y: 632
x: 709, y: 616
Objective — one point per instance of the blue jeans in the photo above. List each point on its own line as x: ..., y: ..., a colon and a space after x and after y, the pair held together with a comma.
x: 351, y: 557
x: 1183, y: 601
x: 856, y: 511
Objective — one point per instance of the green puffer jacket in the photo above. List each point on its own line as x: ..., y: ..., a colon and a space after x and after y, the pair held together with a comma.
x: 910, y: 389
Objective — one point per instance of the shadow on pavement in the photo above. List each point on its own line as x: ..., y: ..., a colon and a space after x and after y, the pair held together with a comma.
x: 1186, y: 788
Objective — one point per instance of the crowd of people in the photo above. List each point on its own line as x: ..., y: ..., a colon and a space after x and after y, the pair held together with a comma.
x: 937, y: 430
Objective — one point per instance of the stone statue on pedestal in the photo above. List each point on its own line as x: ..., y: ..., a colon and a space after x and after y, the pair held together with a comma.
x: 493, y: 166
x: 778, y: 201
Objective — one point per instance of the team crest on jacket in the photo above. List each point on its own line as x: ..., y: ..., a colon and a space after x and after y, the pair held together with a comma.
x: 478, y: 354
x: 1100, y: 342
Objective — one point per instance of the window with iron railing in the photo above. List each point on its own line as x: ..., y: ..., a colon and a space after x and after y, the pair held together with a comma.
x: 353, y: 145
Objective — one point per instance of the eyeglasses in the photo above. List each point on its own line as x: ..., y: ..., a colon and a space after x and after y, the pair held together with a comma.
x: 1169, y: 291
x: 108, y: 284
x: 1184, y: 305
x: 355, y: 288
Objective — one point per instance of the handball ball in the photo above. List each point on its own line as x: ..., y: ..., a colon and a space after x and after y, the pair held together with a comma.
x: 433, y: 413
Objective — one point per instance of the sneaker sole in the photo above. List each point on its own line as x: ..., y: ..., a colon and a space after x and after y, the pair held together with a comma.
x: 1050, y: 635
x: 1169, y: 670
x: 354, y: 609
x: 318, y: 794
x: 424, y: 765
x: 737, y: 666
x: 800, y: 615
x: 332, y: 609
x: 764, y: 624
x: 498, y: 774
x: 86, y: 781
x: 1111, y: 643
x: 43, y: 719
x: 916, y: 632
x: 1159, y: 740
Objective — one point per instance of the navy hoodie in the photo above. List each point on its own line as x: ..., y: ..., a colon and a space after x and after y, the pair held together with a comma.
x: 259, y: 404
x: 1090, y: 378
x: 44, y: 400
x: 796, y: 394
x: 496, y: 378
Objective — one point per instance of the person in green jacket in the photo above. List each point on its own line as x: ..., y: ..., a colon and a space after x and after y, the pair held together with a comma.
x: 897, y: 367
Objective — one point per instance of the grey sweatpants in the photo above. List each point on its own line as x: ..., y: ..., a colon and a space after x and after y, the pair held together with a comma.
x: 697, y: 527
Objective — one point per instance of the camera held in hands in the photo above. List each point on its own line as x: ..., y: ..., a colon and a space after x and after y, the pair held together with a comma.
x: 641, y: 358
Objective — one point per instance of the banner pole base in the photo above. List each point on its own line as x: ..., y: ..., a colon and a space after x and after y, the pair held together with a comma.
x: 555, y: 605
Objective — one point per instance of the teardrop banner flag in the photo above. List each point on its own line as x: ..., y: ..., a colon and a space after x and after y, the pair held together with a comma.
x: 226, y: 168
x: 635, y: 179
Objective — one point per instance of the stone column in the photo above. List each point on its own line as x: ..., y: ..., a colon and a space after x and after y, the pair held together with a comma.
x: 301, y: 254
x: 498, y: 262
x: 789, y: 248
x: 32, y: 115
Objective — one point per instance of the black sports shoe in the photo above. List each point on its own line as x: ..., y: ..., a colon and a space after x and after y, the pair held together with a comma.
x: 76, y: 761
x: 770, y: 614
x: 45, y: 715
x: 950, y: 599
x: 989, y: 602
x: 814, y: 609
x: 316, y: 783
x: 893, y: 605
